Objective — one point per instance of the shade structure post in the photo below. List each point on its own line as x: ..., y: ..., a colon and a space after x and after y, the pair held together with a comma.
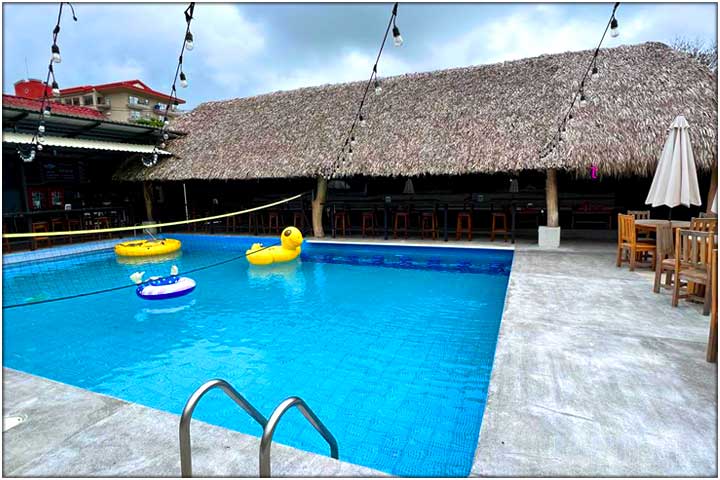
x: 712, y: 191
x: 148, y: 194
x: 318, y: 204
x: 551, y: 198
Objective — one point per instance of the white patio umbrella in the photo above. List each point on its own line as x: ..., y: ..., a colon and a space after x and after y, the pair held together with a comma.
x: 675, y: 182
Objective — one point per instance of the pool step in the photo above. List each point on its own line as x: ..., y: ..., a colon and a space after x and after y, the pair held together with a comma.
x: 268, y: 426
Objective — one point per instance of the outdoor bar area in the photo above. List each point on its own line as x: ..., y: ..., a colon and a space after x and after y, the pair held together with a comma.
x: 68, y: 184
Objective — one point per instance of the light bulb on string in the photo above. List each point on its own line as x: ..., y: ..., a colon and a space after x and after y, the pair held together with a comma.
x: 352, y: 141
x: 614, y: 30
x: 41, y: 128
x: 165, y: 136
x: 363, y: 122
x: 350, y: 154
x: 47, y: 111
x: 378, y: 88
x: 55, y: 89
x: 39, y: 146
x: 583, y: 99
x: 183, y: 80
x: 189, y: 41
x: 595, y: 74
x: 397, y: 38
x: 154, y: 158
x: 56, y: 58
x: 146, y: 161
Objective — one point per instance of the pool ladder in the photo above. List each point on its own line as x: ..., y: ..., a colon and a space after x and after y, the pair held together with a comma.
x: 268, y: 426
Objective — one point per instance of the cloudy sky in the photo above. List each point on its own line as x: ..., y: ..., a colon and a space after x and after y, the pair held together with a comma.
x: 247, y: 49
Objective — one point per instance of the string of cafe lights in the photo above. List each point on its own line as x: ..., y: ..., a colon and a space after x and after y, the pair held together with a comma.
x: 36, y: 144
x: 188, y: 44
x: 360, y: 120
x: 580, y: 97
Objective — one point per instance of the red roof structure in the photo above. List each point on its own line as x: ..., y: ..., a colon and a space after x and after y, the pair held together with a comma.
x: 57, y: 107
x: 135, y: 85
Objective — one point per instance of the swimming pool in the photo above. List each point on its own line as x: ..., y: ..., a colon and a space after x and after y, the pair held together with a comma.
x: 392, y: 347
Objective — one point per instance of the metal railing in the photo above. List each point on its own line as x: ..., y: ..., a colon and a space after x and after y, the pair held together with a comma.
x: 185, y: 449
x: 269, y: 430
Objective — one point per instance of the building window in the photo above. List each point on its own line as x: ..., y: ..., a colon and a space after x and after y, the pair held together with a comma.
x: 88, y: 100
x: 135, y: 115
x: 132, y: 100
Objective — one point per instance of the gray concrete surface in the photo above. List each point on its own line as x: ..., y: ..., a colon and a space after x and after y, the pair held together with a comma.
x: 74, y: 432
x: 595, y: 375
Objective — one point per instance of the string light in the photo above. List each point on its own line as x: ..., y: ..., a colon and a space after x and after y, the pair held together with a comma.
x: 397, y: 38
x: 55, y: 54
x: 45, y: 110
x: 614, y: 30
x: 359, y: 119
x: 188, y: 44
x: 594, y: 73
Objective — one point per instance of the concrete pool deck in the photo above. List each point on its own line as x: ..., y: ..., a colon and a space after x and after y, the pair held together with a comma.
x: 594, y: 375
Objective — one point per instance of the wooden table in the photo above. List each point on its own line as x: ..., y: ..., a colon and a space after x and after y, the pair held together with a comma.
x: 651, y: 225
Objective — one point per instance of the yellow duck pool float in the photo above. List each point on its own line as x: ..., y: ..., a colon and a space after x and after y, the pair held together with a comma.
x: 289, y: 249
x: 145, y: 248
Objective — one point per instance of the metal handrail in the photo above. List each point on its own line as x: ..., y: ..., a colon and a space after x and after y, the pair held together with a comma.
x: 269, y: 430
x: 185, y: 451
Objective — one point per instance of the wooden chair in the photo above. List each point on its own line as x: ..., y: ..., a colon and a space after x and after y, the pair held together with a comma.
x: 712, y: 347
x: 102, y: 223
x: 368, y: 223
x: 495, y: 227
x: 428, y: 225
x: 703, y: 224
x: 628, y: 242
x: 665, y: 253
x: 464, y: 225
x: 639, y: 214
x: 693, y: 252
x: 256, y: 221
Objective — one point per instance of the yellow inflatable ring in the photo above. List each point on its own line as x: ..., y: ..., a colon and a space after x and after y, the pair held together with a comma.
x: 146, y: 248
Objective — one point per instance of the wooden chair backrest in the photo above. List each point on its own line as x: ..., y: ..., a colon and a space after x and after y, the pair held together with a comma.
x: 693, y: 249
x: 664, y: 245
x: 639, y: 214
x: 703, y: 224
x: 626, y: 229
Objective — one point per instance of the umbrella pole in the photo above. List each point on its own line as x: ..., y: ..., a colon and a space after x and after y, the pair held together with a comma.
x: 670, y: 215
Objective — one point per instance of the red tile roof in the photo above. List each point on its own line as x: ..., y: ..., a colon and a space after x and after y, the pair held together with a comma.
x: 57, y: 107
x: 134, y: 85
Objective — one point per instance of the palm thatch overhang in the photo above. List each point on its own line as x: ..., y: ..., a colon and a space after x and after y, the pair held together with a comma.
x: 482, y: 119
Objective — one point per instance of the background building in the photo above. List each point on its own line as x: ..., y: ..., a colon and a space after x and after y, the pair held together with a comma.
x: 126, y: 101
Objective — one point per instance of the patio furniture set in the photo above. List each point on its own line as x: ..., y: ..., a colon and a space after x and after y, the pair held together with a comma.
x: 685, y: 252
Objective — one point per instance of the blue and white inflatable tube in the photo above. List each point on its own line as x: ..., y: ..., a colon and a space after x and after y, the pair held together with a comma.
x: 162, y: 288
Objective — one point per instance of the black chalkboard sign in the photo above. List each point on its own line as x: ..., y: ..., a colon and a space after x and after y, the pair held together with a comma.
x: 59, y: 172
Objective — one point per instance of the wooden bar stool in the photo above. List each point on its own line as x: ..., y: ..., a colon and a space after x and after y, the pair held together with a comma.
x: 74, y: 224
x: 496, y: 228
x: 466, y: 219
x: 428, y: 225
x: 38, y: 227
x: 274, y: 222
x: 342, y: 217
x: 405, y: 216
x: 299, y: 220
x: 102, y: 223
x: 256, y: 221
x: 368, y: 223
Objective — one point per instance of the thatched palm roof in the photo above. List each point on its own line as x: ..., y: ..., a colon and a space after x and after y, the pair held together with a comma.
x: 478, y: 119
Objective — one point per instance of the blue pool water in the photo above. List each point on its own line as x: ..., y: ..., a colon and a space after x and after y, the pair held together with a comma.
x: 392, y: 347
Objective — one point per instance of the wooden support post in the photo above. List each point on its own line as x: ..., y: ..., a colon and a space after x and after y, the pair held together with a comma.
x: 148, y: 194
x: 318, y: 205
x: 713, y: 187
x: 551, y: 198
